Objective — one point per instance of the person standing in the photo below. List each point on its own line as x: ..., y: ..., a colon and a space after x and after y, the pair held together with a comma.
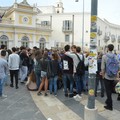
x: 14, y: 62
x: 3, y: 72
x: 107, y: 74
x: 67, y: 69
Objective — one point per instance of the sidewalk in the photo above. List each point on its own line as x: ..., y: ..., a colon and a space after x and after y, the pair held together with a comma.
x: 24, y: 105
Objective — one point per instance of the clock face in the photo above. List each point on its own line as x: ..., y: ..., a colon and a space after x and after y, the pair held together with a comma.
x: 25, y: 19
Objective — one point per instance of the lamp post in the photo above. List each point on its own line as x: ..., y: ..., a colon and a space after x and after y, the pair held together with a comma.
x: 82, y: 25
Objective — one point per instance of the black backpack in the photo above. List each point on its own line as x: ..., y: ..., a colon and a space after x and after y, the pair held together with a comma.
x: 80, y: 69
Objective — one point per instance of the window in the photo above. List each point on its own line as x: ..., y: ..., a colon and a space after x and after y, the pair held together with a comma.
x: 45, y: 23
x: 25, y: 41
x: 42, y: 43
x: 67, y: 38
x: 67, y: 25
x: 4, y: 40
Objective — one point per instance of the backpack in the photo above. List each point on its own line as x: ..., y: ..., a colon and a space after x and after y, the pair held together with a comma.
x: 112, y: 66
x: 80, y: 69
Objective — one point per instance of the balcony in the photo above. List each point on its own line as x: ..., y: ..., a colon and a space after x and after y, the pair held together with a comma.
x: 67, y: 29
x: 106, y: 38
x: 118, y: 39
x: 113, y: 39
x: 99, y: 32
x: 6, y: 22
x: 41, y: 26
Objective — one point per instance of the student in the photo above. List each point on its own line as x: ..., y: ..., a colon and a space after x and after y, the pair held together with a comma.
x: 14, y: 62
x: 108, y: 78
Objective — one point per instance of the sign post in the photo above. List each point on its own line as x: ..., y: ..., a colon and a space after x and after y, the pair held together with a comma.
x: 90, y: 109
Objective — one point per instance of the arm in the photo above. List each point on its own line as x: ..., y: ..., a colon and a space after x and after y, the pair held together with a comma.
x: 103, y: 67
x: 72, y: 55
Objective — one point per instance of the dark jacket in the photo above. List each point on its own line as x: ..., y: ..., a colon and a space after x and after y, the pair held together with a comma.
x: 44, y: 64
x: 55, y: 67
x: 67, y: 64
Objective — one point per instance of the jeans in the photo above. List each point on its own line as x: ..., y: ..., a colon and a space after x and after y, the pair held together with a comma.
x: 67, y: 77
x: 38, y: 79
x: 23, y: 72
x: 14, y: 73
x: 108, y: 87
x: 85, y: 80
x: 1, y: 86
x: 79, y: 83
x: 53, y: 83
x: 99, y: 79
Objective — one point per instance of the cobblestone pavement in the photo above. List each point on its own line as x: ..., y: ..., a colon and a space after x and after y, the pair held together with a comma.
x: 22, y: 104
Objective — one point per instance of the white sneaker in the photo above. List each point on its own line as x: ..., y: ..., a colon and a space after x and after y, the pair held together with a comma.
x: 77, y: 97
x: 3, y: 96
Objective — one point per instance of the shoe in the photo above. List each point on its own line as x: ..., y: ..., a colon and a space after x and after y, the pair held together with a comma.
x: 70, y: 95
x: 102, y: 95
x: 77, y: 97
x: 55, y: 95
x: 108, y: 108
x: 3, y: 96
x: 118, y: 98
x: 11, y: 85
x: 66, y: 95
x: 17, y: 87
x: 39, y: 93
x: 22, y: 82
x: 46, y: 94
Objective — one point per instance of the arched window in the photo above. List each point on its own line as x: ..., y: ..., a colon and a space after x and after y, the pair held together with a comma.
x: 25, y: 41
x: 42, y: 43
x: 4, y: 40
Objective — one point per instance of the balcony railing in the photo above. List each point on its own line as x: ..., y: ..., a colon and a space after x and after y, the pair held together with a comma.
x: 106, y: 38
x: 6, y: 21
x: 43, y: 26
x: 113, y: 39
x: 118, y: 39
x: 99, y: 32
x: 67, y: 29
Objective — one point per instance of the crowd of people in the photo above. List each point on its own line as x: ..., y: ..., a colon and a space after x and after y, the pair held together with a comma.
x: 69, y: 67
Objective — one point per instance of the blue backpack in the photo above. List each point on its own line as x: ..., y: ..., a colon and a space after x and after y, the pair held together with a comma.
x: 112, y: 66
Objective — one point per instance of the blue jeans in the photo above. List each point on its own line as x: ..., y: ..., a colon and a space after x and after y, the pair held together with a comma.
x: 79, y: 83
x: 23, y: 73
x: 53, y: 83
x: 67, y: 77
x: 85, y: 80
x: 1, y: 86
x: 38, y: 79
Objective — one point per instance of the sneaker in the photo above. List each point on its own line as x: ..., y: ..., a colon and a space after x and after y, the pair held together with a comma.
x: 108, y: 108
x: 3, y: 96
x: 70, y: 95
x: 39, y: 93
x: 55, y: 95
x: 118, y: 98
x: 66, y: 95
x: 77, y: 97
x: 46, y: 94
x: 11, y: 85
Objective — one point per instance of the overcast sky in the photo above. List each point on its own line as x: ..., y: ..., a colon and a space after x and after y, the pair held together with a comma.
x: 108, y: 9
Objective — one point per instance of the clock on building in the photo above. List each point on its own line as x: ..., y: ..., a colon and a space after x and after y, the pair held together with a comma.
x: 25, y: 19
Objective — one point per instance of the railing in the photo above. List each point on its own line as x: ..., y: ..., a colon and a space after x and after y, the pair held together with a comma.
x: 43, y: 26
x: 106, y: 38
x: 67, y: 29
x: 6, y: 21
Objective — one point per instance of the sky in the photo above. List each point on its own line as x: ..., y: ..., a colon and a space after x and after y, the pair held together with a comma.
x: 107, y: 9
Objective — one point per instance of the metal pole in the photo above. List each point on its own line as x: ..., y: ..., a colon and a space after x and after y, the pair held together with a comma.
x: 90, y: 109
x: 83, y: 29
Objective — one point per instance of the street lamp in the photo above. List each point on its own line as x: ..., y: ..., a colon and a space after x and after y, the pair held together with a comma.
x: 82, y: 26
